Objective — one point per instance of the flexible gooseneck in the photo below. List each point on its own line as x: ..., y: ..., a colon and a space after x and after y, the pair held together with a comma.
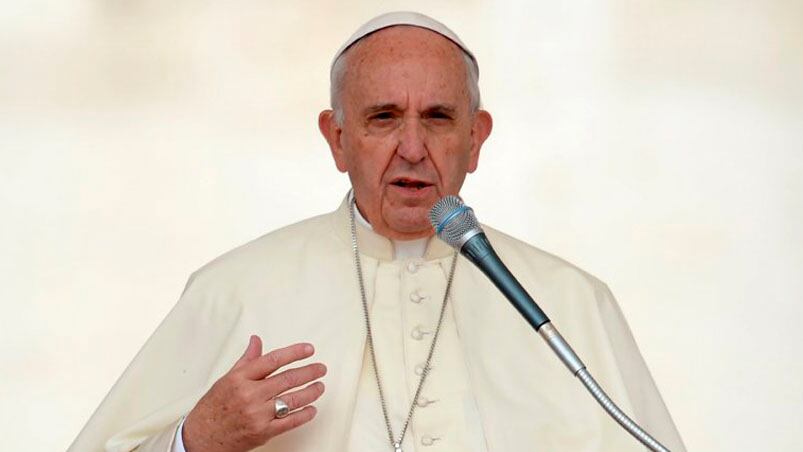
x: 455, y: 223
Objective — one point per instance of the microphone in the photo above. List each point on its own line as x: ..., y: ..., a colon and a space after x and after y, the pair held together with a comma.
x: 455, y: 223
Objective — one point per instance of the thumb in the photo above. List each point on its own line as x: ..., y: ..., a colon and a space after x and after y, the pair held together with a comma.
x: 254, y: 350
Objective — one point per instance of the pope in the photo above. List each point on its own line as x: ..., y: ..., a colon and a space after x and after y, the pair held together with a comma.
x: 413, y: 348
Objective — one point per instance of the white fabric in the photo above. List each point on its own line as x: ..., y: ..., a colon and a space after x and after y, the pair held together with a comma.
x: 366, y: 406
x: 524, y: 397
x: 178, y: 442
x: 407, y: 249
x: 404, y: 315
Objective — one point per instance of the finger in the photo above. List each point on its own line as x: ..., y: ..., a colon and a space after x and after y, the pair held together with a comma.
x: 293, y: 420
x: 302, y: 397
x: 268, y: 363
x: 252, y: 352
x: 292, y: 378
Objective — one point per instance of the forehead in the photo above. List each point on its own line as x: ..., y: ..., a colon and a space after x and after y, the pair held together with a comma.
x: 403, y: 58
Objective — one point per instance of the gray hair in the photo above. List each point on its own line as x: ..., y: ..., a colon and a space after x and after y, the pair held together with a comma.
x: 338, y: 76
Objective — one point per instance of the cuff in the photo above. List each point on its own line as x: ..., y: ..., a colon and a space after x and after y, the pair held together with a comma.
x: 178, y: 441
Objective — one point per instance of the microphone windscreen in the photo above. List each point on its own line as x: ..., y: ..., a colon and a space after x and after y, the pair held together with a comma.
x: 453, y: 221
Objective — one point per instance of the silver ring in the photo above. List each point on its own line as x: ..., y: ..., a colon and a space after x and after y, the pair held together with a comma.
x: 280, y: 408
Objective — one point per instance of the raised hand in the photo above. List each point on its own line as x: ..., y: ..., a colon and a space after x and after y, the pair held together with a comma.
x: 238, y: 412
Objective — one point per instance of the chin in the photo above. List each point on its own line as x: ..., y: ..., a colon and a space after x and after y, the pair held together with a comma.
x: 410, y: 220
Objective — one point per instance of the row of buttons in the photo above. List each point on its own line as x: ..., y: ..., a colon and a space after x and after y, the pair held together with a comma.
x: 418, y: 333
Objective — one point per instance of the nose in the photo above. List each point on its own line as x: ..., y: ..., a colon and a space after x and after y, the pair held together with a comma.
x: 412, y: 146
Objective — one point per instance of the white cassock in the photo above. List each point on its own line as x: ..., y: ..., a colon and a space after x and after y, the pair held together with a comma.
x: 494, y: 384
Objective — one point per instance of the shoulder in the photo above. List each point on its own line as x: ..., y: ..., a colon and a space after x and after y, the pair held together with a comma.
x: 565, y: 291
x: 267, y: 255
x: 539, y: 266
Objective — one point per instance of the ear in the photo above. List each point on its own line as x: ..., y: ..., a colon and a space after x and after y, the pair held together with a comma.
x: 480, y: 129
x: 332, y: 132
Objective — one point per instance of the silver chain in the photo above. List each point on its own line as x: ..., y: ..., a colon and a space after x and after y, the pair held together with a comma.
x: 370, y: 339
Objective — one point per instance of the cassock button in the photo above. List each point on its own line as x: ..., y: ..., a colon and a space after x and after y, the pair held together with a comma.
x: 412, y: 267
x: 418, y: 333
x: 419, y: 369
x: 416, y: 297
x: 428, y: 440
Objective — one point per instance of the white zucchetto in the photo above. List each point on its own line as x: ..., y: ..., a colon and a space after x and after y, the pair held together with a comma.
x: 404, y: 18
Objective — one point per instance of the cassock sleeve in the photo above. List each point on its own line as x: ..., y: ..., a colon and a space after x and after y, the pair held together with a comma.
x: 649, y: 409
x: 167, y: 377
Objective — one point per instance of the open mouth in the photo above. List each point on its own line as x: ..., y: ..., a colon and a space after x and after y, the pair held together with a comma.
x: 410, y: 183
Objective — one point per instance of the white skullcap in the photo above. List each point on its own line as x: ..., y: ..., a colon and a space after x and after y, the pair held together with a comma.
x: 404, y: 18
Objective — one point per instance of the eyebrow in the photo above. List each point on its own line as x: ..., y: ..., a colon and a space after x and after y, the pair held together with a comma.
x: 446, y: 108
x: 379, y: 107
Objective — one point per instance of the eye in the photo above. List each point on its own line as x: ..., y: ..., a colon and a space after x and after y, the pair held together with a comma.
x: 381, y: 116
x: 438, y: 117
x: 382, y: 120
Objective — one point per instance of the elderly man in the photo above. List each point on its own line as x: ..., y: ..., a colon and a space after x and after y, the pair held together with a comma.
x: 422, y: 352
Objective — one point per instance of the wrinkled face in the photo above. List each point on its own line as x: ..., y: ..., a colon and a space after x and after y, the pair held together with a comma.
x: 409, y: 136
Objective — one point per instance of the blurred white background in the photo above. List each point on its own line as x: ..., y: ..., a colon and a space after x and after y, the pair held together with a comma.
x: 656, y: 144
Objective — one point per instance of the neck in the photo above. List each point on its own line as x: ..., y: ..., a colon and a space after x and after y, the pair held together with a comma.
x: 407, y: 248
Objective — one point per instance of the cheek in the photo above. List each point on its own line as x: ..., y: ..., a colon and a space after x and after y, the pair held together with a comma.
x: 369, y: 158
x: 453, y: 162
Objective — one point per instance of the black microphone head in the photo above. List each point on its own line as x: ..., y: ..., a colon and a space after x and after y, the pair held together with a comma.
x: 454, y: 222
